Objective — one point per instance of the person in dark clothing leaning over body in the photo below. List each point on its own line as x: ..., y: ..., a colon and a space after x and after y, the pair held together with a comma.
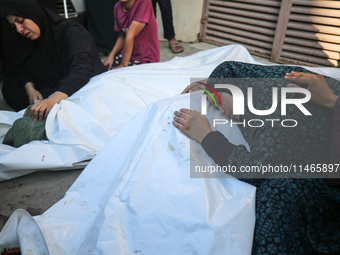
x: 54, y: 57
x: 295, y: 214
x: 323, y: 96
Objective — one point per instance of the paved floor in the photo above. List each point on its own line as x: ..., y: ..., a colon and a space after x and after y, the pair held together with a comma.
x: 38, y: 191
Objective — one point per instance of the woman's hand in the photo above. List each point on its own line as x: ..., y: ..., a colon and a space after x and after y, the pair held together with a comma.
x: 194, y: 86
x: 40, y: 110
x: 321, y: 94
x: 32, y: 93
x: 192, y: 123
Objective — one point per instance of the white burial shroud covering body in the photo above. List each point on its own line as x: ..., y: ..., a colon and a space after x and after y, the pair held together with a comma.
x: 80, y: 126
x: 136, y: 195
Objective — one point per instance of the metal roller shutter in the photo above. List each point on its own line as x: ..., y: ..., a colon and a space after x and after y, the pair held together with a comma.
x: 311, y: 33
x: 303, y: 32
x: 247, y: 22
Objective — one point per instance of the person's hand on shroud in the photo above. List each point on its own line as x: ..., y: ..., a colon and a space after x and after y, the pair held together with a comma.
x: 321, y: 94
x: 194, y: 86
x: 192, y: 123
x: 40, y: 110
x: 32, y: 93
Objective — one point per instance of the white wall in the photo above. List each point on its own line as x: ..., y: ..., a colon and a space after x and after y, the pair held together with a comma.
x: 187, y: 16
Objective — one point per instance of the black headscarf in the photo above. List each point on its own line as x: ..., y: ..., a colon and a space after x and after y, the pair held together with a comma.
x: 46, y: 61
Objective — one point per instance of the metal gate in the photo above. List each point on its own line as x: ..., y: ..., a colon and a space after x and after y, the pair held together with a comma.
x: 304, y: 32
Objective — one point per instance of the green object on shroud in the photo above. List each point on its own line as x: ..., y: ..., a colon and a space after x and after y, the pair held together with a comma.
x: 25, y: 130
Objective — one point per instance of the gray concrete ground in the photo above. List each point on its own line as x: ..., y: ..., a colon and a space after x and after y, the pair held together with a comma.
x: 38, y: 191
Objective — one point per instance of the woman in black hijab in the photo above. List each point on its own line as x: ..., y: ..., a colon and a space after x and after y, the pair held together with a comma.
x: 54, y: 57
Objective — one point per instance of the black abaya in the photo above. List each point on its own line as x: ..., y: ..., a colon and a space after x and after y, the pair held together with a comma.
x: 63, y: 58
